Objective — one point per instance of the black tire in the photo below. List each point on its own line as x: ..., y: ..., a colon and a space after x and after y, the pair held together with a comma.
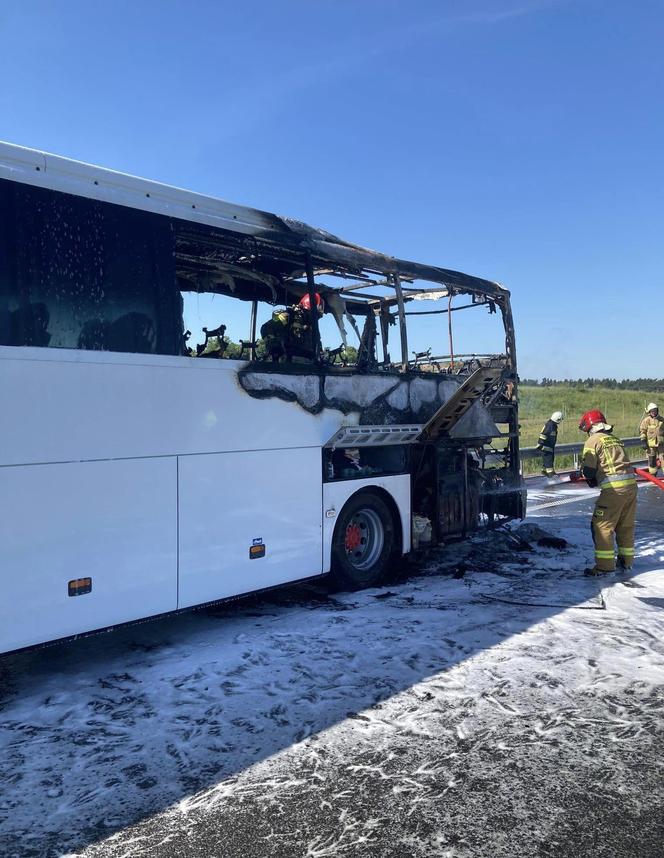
x: 364, y: 542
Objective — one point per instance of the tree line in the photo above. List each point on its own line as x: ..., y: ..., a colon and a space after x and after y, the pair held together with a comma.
x: 234, y: 350
x: 651, y: 385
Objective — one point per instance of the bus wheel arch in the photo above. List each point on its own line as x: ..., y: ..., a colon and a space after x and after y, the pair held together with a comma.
x: 366, y: 539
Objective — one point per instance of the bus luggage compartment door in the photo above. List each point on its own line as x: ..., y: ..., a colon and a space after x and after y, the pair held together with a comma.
x: 247, y: 521
x: 102, y: 532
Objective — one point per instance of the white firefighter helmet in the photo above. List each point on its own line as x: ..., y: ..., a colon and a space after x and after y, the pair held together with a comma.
x: 557, y: 416
x: 652, y: 407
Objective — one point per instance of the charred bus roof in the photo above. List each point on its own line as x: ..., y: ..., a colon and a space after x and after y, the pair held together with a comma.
x: 212, y: 234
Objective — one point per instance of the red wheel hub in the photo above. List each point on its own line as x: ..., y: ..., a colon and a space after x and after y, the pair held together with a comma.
x: 353, y: 537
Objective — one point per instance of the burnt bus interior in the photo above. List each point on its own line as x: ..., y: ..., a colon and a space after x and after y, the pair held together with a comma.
x: 86, y: 274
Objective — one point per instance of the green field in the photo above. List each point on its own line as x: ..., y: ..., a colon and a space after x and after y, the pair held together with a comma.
x: 623, y: 408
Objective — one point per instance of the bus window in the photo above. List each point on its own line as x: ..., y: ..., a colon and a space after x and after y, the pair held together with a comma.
x: 82, y: 274
x: 216, y: 325
x: 332, y: 337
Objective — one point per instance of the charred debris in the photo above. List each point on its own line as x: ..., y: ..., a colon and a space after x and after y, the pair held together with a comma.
x: 449, y: 420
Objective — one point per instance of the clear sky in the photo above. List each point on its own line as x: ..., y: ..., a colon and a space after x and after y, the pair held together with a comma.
x: 520, y: 140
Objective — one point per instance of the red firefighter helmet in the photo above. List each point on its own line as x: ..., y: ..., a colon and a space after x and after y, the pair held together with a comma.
x: 589, y: 419
x: 305, y: 303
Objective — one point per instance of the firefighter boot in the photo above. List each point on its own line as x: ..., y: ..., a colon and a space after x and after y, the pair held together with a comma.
x: 624, y: 564
x: 594, y: 572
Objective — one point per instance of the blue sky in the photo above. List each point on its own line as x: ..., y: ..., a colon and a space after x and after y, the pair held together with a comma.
x: 518, y: 140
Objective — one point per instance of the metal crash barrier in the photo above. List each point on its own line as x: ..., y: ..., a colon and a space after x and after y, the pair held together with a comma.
x: 574, y: 450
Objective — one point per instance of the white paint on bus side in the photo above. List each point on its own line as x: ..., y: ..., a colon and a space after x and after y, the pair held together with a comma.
x: 115, y: 522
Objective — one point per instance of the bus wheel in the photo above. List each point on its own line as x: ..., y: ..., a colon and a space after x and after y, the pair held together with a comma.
x: 363, y: 542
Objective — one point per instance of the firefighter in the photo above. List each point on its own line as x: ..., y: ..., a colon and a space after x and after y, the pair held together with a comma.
x: 547, y: 443
x: 651, y: 430
x: 288, y: 333
x: 606, y: 464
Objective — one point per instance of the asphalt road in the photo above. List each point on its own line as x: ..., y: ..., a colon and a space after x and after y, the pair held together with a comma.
x: 497, y: 705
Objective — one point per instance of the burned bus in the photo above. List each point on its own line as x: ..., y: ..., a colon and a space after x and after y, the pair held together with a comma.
x: 152, y: 463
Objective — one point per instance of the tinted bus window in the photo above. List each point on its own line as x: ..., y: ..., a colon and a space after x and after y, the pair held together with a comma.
x: 81, y: 274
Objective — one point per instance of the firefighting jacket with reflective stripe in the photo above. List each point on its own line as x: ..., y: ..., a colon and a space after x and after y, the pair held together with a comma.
x: 604, y: 456
x: 651, y: 430
x: 548, y: 436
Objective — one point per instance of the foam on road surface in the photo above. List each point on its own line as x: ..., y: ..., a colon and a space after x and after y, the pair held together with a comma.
x: 499, y: 704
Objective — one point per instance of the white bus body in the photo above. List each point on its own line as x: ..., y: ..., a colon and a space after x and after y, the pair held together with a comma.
x: 136, y: 484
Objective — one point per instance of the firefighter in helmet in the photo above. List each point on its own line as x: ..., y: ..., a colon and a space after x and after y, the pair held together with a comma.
x: 547, y: 443
x: 289, y: 333
x: 606, y: 464
x: 651, y: 430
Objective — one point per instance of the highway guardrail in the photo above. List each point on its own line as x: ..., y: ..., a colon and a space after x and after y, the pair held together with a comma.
x: 571, y: 450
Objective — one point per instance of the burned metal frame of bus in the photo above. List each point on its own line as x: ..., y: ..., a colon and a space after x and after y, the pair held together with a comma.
x: 455, y: 417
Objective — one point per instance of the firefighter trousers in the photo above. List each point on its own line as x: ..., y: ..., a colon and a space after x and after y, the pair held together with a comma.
x: 615, y: 514
x: 547, y: 462
x: 655, y: 453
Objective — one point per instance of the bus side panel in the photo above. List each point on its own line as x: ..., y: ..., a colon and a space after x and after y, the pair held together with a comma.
x: 112, y: 522
x: 231, y: 504
x: 107, y: 405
